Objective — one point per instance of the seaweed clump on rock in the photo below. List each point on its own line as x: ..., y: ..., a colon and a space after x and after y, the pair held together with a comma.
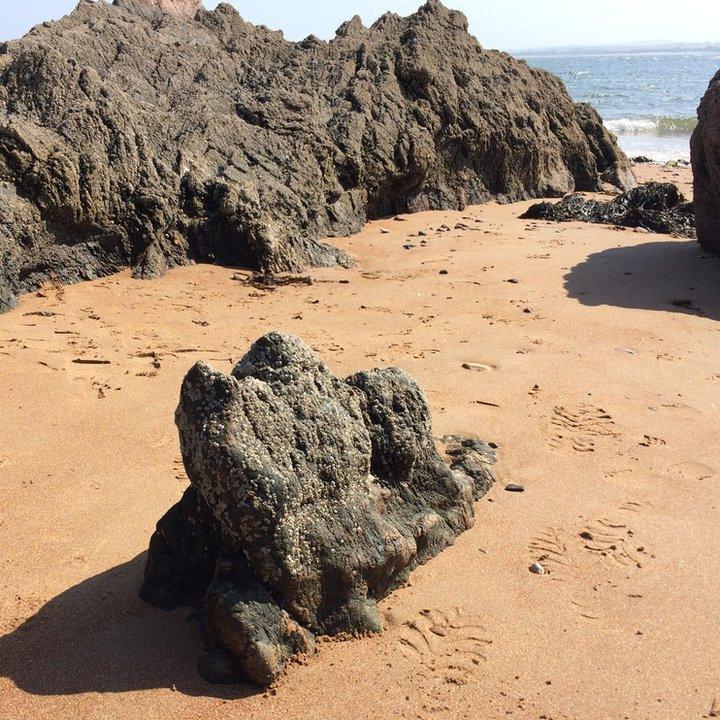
x: 311, y: 499
x: 153, y: 133
x: 656, y: 207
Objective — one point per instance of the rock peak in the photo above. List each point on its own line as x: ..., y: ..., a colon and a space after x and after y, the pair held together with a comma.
x: 452, y: 17
x: 184, y: 8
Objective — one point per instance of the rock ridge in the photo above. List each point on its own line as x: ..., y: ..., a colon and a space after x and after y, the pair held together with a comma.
x: 135, y: 137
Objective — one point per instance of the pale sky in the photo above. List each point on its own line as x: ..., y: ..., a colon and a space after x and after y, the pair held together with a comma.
x: 508, y: 25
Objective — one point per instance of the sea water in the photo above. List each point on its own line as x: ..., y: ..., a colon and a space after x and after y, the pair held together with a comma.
x: 648, y: 99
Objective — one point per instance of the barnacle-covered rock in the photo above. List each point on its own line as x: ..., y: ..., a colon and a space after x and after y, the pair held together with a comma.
x: 312, y: 498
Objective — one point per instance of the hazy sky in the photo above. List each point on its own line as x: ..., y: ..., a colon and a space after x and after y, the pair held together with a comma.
x: 509, y: 25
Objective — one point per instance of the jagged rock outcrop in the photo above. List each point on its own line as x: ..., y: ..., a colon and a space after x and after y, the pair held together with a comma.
x: 134, y: 137
x: 312, y: 498
x: 705, y: 155
x: 656, y: 207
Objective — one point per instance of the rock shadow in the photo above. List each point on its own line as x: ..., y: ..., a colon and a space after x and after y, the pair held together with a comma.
x: 99, y: 636
x: 668, y: 275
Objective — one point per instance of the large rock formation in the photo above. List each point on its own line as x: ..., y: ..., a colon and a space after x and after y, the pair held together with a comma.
x: 656, y: 207
x: 134, y: 137
x: 311, y: 499
x: 705, y: 152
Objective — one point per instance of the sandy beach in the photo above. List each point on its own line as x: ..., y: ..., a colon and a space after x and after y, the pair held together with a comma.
x: 591, y: 360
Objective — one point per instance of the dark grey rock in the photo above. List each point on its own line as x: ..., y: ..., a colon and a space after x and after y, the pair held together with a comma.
x: 653, y: 207
x: 312, y: 498
x: 130, y: 137
x: 705, y: 155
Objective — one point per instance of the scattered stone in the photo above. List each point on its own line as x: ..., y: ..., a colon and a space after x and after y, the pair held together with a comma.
x: 275, y: 144
x: 585, y: 535
x: 422, y: 233
x: 513, y: 281
x: 438, y: 630
x: 537, y: 569
x: 311, y: 499
x: 487, y: 404
x: 515, y: 488
x: 641, y: 159
x: 481, y: 367
x: 653, y: 207
x: 443, y: 272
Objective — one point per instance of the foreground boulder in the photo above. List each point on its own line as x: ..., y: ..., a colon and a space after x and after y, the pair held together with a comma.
x: 148, y: 133
x: 656, y: 207
x: 705, y: 154
x: 311, y: 499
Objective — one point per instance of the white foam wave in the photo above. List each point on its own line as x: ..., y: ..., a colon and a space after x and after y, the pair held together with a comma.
x: 631, y: 125
x: 652, y: 126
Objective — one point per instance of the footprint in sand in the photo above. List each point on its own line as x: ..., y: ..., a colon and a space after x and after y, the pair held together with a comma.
x: 550, y: 549
x: 447, y: 645
x: 580, y: 427
x: 692, y: 471
x: 575, y: 554
x: 651, y: 441
x: 613, y: 542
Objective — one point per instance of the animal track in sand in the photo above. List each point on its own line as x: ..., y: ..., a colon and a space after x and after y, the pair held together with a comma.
x: 580, y: 427
x: 447, y: 646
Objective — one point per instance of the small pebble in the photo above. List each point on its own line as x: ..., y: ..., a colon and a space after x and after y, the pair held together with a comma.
x: 512, y: 487
x: 513, y: 281
x: 537, y: 569
x: 438, y: 630
x: 443, y: 272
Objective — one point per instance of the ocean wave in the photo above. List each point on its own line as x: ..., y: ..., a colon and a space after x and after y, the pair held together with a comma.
x: 652, y: 126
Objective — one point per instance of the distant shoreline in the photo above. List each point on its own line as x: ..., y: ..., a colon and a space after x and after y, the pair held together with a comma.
x: 599, y: 50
